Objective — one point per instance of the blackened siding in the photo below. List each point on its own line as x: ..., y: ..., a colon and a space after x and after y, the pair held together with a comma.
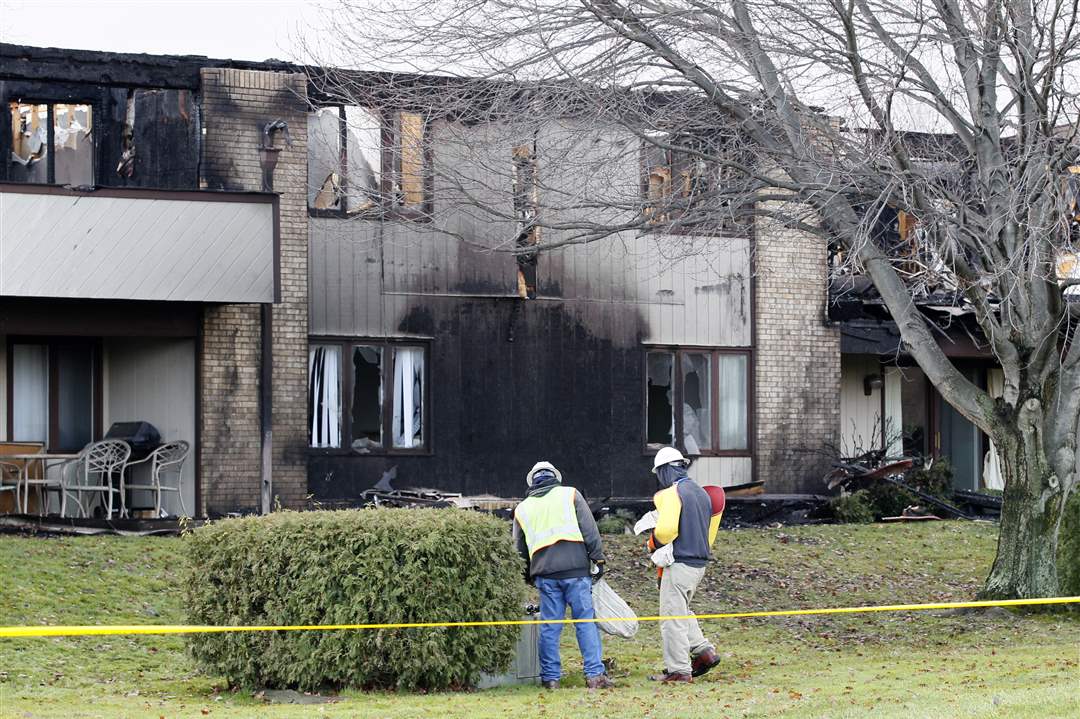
x: 561, y: 391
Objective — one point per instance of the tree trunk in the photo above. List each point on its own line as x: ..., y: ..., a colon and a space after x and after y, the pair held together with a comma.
x: 1031, y: 512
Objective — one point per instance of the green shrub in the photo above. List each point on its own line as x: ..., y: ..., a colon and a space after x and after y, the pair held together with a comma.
x: 354, y: 567
x: 618, y: 522
x: 1069, y: 548
x: 854, y: 508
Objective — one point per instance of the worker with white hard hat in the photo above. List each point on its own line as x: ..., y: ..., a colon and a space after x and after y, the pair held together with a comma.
x: 688, y: 517
x: 555, y: 533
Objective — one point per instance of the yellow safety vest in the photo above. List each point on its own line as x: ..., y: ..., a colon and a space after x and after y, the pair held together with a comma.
x: 549, y: 519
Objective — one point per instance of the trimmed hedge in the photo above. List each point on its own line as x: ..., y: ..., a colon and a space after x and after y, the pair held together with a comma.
x: 354, y: 567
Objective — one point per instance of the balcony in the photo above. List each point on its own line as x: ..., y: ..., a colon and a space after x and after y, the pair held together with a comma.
x: 217, y: 247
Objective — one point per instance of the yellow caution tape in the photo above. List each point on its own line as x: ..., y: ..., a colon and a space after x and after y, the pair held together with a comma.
x: 85, y: 631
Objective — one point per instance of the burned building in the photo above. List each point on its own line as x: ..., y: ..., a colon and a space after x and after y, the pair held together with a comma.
x: 247, y: 260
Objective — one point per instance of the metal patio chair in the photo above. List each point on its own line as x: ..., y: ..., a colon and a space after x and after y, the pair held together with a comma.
x: 9, y: 482
x: 165, y: 461
x: 92, y: 472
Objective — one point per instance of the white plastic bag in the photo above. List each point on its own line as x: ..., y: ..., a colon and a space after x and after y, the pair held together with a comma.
x: 646, y: 523
x: 665, y: 556
x: 609, y: 605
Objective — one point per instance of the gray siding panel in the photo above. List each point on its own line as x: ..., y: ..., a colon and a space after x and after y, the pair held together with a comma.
x: 107, y: 247
x: 154, y: 380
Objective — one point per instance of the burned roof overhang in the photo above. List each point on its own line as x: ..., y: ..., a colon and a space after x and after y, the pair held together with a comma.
x: 51, y: 64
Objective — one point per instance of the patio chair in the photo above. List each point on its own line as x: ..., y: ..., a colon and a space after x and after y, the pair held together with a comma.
x: 9, y: 482
x: 166, y: 460
x: 92, y: 473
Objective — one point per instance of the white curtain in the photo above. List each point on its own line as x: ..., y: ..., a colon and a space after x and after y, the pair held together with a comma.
x: 731, y: 414
x: 324, y: 395
x: 992, y: 477
x: 408, y: 397
x: 30, y: 395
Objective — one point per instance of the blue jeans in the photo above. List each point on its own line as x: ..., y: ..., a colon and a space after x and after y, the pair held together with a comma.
x: 555, y: 595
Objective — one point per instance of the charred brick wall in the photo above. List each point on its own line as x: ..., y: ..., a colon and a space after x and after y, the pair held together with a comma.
x: 236, y: 105
x: 797, y: 361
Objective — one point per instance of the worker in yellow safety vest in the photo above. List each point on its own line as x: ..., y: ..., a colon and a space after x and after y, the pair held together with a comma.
x: 555, y: 533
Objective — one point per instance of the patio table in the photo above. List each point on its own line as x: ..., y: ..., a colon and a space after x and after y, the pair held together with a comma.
x: 25, y: 482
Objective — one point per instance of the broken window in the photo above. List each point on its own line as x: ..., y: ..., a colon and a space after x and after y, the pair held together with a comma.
x: 363, y: 159
x: 51, y: 143
x: 378, y: 404
x: 698, y: 397
x: 360, y: 159
x: 682, y: 184
x: 367, y: 397
x: 659, y: 399
x: 697, y: 402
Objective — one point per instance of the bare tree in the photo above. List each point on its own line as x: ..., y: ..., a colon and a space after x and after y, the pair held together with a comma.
x: 816, y: 114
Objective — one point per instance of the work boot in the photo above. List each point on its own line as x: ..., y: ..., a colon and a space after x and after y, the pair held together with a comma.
x: 672, y: 678
x: 705, y: 661
x: 550, y: 684
x: 600, y: 681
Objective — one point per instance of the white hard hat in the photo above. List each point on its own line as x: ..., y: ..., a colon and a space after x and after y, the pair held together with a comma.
x: 667, y: 455
x: 539, y: 466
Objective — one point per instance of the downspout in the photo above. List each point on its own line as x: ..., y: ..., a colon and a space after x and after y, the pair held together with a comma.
x: 268, y: 157
x: 266, y: 399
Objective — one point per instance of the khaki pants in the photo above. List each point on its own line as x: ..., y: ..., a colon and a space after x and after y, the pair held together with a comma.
x: 682, y: 637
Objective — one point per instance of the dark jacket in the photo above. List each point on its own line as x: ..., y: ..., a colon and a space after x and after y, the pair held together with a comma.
x: 563, y: 560
x: 684, y: 512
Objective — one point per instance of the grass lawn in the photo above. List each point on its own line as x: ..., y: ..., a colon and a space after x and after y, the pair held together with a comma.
x: 991, y: 664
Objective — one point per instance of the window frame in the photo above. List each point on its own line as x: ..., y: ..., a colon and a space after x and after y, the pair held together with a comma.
x: 390, y: 158
x: 714, y: 397
x: 52, y: 343
x: 345, y: 345
x: 50, y: 134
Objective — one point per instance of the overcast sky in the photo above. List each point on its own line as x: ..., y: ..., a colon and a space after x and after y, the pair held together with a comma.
x: 241, y: 29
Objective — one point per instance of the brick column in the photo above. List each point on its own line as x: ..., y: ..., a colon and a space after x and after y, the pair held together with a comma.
x: 236, y: 104
x: 797, y: 361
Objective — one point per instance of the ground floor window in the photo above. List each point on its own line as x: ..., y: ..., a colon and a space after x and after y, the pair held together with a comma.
x: 368, y: 396
x: 697, y: 399
x: 54, y: 395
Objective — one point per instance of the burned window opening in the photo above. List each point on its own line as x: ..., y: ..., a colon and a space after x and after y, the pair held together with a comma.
x: 659, y: 399
x: 688, y: 186
x: 367, y: 398
x: 52, y: 143
x: 378, y: 403
x: 126, y: 166
x: 362, y: 160
x: 526, y: 211
x: 710, y: 388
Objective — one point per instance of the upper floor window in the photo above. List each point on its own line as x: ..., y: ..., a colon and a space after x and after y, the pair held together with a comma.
x: 362, y: 160
x: 684, y: 183
x: 368, y: 396
x: 51, y: 143
x: 696, y: 399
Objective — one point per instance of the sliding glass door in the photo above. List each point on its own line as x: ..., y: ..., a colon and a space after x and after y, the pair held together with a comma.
x: 55, y: 388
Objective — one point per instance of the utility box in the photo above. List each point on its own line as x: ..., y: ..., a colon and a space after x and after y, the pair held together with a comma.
x: 525, y: 668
